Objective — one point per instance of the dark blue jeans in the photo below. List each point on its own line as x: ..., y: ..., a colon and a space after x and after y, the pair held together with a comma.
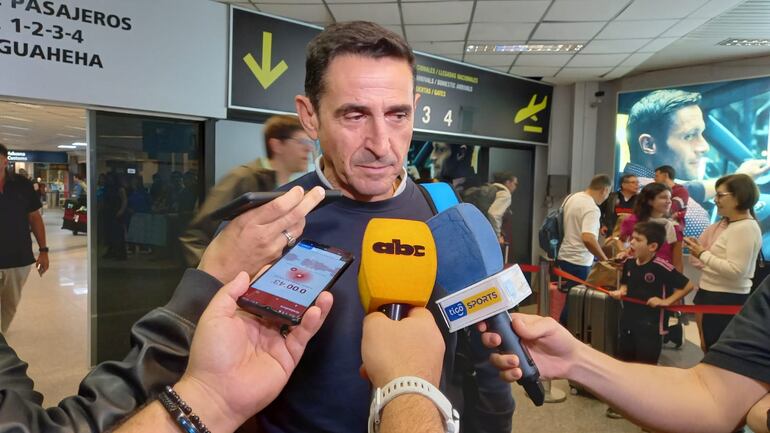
x: 576, y: 270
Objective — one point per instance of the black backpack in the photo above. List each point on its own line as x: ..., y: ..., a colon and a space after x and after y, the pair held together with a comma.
x: 551, y: 232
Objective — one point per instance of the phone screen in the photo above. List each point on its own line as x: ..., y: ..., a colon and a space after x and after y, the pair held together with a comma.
x: 293, y: 283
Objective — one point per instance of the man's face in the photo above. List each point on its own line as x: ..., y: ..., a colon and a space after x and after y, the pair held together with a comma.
x: 296, y: 151
x: 439, y: 157
x: 364, y: 123
x: 685, y: 144
x: 631, y: 184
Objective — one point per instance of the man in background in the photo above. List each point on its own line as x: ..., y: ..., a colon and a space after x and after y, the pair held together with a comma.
x: 288, y: 149
x: 581, y: 232
x: 620, y: 202
x: 19, y: 213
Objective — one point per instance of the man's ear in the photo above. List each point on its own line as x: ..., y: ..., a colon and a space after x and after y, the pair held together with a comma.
x: 308, y: 117
x: 647, y: 143
x: 416, y: 100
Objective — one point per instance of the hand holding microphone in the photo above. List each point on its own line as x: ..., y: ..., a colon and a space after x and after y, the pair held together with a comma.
x: 412, y: 346
x: 470, y: 267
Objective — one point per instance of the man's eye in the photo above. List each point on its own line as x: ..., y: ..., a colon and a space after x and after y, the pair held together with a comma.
x: 354, y: 116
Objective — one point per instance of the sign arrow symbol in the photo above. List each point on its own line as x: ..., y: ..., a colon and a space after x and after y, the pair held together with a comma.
x: 265, y: 74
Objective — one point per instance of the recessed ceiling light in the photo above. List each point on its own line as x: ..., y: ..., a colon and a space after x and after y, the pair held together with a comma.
x: 745, y: 42
x: 67, y: 135
x: 567, y: 47
x: 15, y: 118
x: 66, y: 146
x: 79, y: 144
x: 14, y: 127
x: 76, y: 127
x: 29, y: 105
x: 8, y: 134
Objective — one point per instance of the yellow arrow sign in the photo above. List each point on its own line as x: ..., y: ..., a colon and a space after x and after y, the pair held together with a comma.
x: 265, y: 74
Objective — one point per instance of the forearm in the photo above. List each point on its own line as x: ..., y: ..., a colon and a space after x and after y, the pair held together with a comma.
x: 411, y: 413
x: 38, y: 228
x: 593, y: 246
x: 679, y: 294
x: 662, y: 398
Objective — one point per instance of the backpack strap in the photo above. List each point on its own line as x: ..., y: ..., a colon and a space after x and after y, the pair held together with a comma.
x: 439, y: 195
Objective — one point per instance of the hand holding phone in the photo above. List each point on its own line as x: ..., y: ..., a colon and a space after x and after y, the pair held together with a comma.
x: 285, y: 291
x: 251, y: 200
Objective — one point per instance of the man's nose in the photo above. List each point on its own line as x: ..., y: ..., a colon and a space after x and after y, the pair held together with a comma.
x: 701, y: 145
x: 377, y: 137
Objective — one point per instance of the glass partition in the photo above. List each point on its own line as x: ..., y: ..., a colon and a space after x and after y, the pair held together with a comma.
x: 146, y: 178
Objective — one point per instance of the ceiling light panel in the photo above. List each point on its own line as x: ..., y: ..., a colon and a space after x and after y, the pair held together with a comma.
x: 584, y: 10
x: 537, y: 48
x: 659, y: 9
x: 500, y: 31
x: 635, y: 29
x: 381, y: 13
x: 447, y: 12
x: 438, y: 32
x: 567, y: 31
x: 745, y: 42
x: 510, y: 11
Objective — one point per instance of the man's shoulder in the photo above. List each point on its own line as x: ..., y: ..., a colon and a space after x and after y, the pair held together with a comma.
x: 19, y: 182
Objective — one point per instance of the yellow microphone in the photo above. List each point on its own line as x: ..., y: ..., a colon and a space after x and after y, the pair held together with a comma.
x: 398, y: 266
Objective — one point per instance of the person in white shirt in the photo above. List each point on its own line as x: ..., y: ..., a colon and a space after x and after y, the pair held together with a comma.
x: 506, y: 183
x: 581, y: 231
x: 728, y: 264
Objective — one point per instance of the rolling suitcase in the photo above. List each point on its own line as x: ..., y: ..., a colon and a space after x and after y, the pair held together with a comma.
x: 594, y: 318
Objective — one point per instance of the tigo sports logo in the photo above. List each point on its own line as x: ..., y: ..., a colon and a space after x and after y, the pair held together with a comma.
x: 473, y: 304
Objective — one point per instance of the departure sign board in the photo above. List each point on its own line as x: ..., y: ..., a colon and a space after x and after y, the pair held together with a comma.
x: 267, y: 69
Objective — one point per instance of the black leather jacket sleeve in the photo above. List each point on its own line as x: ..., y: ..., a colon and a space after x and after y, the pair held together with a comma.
x: 160, y: 343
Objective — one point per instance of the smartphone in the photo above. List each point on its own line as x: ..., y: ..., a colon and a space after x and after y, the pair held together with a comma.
x: 250, y: 200
x: 285, y: 291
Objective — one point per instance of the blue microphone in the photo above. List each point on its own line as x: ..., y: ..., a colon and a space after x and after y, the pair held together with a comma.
x: 468, y: 252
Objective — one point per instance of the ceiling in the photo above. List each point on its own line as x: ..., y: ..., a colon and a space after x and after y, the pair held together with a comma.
x: 620, y: 36
x: 40, y: 127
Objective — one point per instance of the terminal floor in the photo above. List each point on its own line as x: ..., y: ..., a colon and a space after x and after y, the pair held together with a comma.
x: 50, y: 333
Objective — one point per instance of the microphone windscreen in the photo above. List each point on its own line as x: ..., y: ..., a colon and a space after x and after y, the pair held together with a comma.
x: 398, y: 264
x: 467, y: 247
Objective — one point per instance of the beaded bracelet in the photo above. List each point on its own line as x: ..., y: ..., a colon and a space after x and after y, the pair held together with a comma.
x: 198, y: 425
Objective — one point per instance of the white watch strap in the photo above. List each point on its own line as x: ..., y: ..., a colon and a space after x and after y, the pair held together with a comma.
x: 412, y: 385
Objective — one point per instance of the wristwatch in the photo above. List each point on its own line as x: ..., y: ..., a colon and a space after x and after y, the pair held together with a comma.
x: 43, y: 250
x: 412, y: 385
